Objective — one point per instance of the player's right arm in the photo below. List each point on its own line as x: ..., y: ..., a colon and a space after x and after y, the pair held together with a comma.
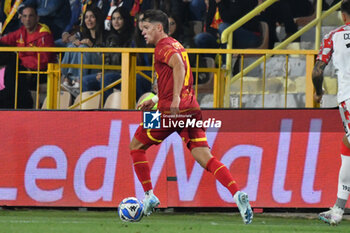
x: 317, y: 79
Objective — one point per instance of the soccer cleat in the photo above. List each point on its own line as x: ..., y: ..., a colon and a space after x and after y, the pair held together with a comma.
x: 332, y: 216
x: 149, y: 203
x: 241, y: 199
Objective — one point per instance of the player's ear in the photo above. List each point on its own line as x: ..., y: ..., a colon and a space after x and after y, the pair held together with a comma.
x: 159, y: 27
x: 343, y: 16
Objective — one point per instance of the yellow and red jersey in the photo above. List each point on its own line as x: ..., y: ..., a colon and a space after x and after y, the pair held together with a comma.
x: 164, y: 50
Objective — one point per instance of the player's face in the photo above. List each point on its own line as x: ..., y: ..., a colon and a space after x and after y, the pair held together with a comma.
x: 117, y: 21
x: 29, y: 19
x: 90, y: 20
x: 149, y: 32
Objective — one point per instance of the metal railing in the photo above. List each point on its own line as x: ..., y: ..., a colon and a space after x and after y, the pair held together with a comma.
x: 129, y: 69
x: 226, y: 37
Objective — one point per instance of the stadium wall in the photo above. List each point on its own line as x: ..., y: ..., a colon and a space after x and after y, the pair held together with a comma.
x: 281, y: 158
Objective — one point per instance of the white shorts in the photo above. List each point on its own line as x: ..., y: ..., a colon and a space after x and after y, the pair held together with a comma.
x: 344, y: 108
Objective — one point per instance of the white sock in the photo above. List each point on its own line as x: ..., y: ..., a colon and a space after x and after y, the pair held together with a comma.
x: 344, y: 178
x: 148, y: 193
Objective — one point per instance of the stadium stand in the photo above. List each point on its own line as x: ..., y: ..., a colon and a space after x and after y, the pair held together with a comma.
x: 253, y: 78
x: 93, y: 103
x: 113, y: 101
x: 65, y: 100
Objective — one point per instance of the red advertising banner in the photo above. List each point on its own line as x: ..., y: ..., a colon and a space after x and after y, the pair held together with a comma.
x: 281, y: 158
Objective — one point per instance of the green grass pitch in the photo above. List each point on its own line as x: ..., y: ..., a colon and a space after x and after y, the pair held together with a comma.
x: 65, y: 221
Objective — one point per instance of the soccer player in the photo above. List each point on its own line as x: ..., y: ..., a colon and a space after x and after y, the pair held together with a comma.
x: 176, y: 97
x: 337, y: 44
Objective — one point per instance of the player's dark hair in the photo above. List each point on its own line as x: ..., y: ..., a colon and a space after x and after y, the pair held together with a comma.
x: 157, y: 16
x: 345, y: 7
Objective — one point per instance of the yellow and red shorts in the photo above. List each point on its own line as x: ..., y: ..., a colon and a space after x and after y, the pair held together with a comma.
x: 192, y: 136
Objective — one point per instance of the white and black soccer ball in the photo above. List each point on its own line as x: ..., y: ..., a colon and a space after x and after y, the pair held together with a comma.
x: 130, y: 210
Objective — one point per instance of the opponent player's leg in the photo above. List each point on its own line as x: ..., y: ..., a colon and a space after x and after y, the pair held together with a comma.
x: 203, y: 156
x: 335, y: 214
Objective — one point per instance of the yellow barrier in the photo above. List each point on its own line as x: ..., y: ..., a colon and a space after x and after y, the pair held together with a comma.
x: 129, y: 69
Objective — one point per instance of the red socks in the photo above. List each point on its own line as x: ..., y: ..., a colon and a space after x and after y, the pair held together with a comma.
x: 222, y: 174
x: 219, y: 170
x: 142, y: 168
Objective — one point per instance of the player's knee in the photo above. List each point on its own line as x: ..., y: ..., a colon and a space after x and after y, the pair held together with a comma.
x: 344, y: 173
x: 346, y: 140
x: 132, y: 146
x: 137, y: 145
x: 344, y: 177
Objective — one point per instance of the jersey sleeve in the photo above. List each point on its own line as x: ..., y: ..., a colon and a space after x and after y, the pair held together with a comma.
x: 326, y: 49
x: 165, y: 52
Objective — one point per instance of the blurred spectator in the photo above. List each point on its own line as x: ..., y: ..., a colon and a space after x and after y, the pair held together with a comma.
x: 283, y: 12
x: 8, y: 16
x: 109, y: 16
x: 134, y: 7
x: 120, y: 35
x: 103, y: 5
x: 55, y: 14
x: 73, y: 27
x: 92, y: 35
x: 197, y: 9
x: 143, y: 59
x: 247, y: 36
x: 137, y: 6
x: 78, y: 8
x: 174, y: 7
x: 31, y: 34
x: 175, y: 28
x: 187, y: 14
x: 327, y: 4
x: 301, y: 8
x: 278, y: 13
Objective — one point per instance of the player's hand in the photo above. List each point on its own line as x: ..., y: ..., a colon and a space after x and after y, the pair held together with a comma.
x: 174, y: 107
x: 146, y: 105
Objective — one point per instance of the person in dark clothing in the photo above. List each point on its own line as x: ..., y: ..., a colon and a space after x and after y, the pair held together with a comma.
x: 120, y: 35
x: 92, y: 35
x: 284, y: 12
x: 143, y: 59
x: 247, y: 36
x: 7, y: 95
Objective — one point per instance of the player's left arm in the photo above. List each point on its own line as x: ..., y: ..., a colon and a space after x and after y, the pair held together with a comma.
x: 176, y: 63
x: 317, y: 79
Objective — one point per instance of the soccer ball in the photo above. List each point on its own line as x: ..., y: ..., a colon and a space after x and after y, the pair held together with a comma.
x: 130, y: 210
